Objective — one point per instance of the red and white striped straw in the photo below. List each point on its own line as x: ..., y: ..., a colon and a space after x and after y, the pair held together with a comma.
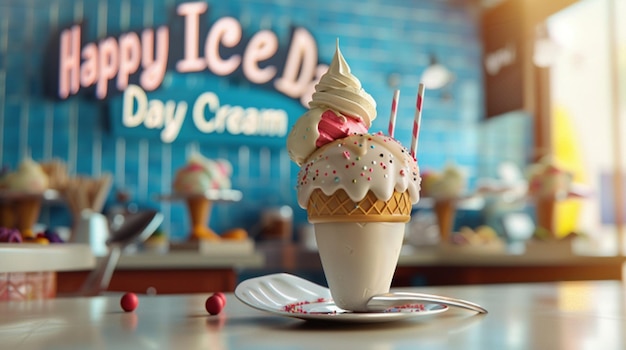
x: 417, y: 120
x: 394, y: 112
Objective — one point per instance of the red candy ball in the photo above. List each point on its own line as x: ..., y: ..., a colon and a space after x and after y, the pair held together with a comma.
x: 214, y: 304
x: 222, y: 296
x: 129, y: 302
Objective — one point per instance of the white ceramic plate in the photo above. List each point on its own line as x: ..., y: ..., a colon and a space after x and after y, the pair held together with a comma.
x: 287, y: 295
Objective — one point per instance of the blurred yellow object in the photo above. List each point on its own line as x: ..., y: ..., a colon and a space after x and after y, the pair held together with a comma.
x: 480, y: 236
x: 37, y: 240
x: 487, y: 232
x: 565, y: 148
x: 235, y: 234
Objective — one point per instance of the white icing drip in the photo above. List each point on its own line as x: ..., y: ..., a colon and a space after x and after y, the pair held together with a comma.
x: 358, y: 164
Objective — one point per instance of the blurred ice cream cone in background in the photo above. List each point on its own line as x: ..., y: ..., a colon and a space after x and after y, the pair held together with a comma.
x: 445, y: 189
x: 199, y: 209
x: 7, y: 215
x: 27, y: 212
x: 28, y: 184
x: 445, y: 212
x: 193, y: 181
x: 548, y: 183
x: 545, y: 211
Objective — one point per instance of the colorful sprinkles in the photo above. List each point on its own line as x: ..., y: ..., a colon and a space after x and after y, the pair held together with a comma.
x: 298, y: 307
x: 361, y: 161
x: 407, y: 308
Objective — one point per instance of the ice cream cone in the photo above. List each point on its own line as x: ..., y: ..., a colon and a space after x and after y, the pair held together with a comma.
x: 359, y: 259
x: 199, y: 209
x: 359, y: 243
x: 545, y: 211
x: 7, y: 215
x: 445, y: 211
x: 27, y: 213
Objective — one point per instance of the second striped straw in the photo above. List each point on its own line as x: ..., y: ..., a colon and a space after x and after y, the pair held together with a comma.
x: 417, y: 120
x: 394, y: 112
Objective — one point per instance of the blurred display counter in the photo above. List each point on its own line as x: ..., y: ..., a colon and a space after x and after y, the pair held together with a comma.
x: 193, y: 272
x: 29, y: 271
x: 173, y: 272
x: 432, y: 267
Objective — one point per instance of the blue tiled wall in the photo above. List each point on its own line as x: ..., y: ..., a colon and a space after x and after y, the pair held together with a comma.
x: 378, y: 38
x: 507, y: 138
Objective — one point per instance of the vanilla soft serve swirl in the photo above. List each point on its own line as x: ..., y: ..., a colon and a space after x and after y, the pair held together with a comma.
x: 338, y: 93
x: 341, y: 91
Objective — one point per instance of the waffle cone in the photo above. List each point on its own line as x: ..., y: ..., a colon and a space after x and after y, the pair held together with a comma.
x: 445, y: 211
x: 27, y: 213
x: 545, y: 211
x: 338, y: 207
x: 199, y: 212
x: 7, y: 216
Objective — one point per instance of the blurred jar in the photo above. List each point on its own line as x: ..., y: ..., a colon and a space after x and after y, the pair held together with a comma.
x: 306, y: 237
x: 277, y: 224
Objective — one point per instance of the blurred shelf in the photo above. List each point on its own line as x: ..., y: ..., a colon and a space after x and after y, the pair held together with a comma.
x: 433, y: 267
x: 189, y: 260
x: 33, y: 257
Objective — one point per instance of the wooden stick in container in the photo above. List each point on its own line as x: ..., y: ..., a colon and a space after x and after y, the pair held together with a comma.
x: 103, y: 188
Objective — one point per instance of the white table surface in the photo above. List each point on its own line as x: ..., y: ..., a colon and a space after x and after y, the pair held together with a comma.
x: 570, y: 315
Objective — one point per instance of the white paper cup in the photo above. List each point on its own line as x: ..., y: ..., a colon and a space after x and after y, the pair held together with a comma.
x: 359, y: 259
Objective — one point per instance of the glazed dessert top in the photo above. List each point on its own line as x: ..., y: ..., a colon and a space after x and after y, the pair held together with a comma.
x: 358, y: 164
x: 339, y: 107
x: 202, y: 174
x: 29, y: 177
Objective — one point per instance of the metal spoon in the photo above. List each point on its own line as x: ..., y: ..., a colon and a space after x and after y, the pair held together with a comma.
x: 126, y: 229
x: 385, y: 301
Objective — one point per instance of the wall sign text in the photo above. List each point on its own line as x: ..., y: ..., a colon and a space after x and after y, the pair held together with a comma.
x: 146, y: 55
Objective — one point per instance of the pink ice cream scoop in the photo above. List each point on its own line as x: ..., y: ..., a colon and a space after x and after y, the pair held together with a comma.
x: 332, y: 127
